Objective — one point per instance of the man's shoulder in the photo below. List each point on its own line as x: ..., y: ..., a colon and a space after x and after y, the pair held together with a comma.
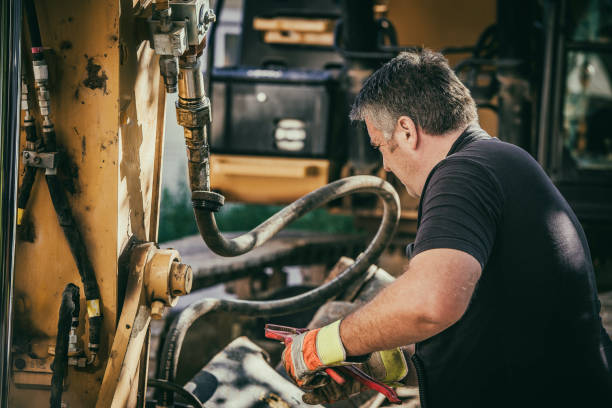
x: 493, y: 157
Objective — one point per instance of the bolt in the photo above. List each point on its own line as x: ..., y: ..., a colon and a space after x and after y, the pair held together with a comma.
x: 181, y: 279
x: 26, y: 155
x: 20, y: 363
x: 209, y: 17
x: 157, y: 309
x: 37, y: 160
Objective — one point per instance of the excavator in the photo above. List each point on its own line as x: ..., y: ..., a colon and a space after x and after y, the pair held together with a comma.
x: 263, y: 88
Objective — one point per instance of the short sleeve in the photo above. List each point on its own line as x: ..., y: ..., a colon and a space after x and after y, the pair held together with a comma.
x: 460, y: 209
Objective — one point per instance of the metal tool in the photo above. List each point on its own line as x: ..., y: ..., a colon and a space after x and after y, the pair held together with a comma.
x: 286, y: 333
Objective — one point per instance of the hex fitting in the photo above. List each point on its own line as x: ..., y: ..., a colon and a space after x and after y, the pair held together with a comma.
x: 157, y: 309
x: 181, y: 279
x: 165, y: 279
x: 194, y: 116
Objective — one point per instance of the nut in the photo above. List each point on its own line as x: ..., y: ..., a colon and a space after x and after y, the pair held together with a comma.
x: 157, y: 309
x: 181, y: 279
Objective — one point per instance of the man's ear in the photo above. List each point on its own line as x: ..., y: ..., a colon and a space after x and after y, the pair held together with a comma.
x: 408, y: 131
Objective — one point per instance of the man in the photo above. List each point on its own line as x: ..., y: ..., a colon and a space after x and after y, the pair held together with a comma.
x: 499, y: 296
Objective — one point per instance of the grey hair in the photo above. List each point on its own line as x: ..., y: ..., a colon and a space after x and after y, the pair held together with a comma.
x: 418, y: 84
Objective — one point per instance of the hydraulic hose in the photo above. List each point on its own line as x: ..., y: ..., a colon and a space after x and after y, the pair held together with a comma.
x: 266, y: 230
x: 68, y: 308
x: 82, y: 260
x: 34, y: 31
x: 206, y: 222
x: 58, y: 196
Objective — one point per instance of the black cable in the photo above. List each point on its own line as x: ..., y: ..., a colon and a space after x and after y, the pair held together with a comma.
x: 70, y: 300
x: 33, y: 29
x: 81, y: 258
x: 26, y: 187
x: 170, y: 386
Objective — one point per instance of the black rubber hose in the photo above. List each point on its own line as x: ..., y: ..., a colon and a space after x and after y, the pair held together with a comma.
x: 49, y: 138
x: 170, y: 386
x: 30, y: 131
x: 315, y: 297
x: 79, y: 252
x: 266, y: 230
x: 26, y: 187
x: 70, y: 300
x: 34, y: 31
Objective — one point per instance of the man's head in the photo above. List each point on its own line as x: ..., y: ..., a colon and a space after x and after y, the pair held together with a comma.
x: 413, y: 106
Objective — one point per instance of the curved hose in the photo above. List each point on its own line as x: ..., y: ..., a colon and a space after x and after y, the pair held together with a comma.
x: 244, y: 243
x: 267, y: 229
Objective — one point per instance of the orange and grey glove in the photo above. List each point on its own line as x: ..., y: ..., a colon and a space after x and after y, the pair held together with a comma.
x: 313, y: 351
x: 388, y: 366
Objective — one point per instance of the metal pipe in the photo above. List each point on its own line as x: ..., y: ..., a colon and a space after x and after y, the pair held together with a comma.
x: 10, y: 57
x: 340, y: 188
x: 193, y: 113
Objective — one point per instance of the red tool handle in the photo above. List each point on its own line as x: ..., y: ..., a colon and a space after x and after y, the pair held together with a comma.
x: 371, y: 383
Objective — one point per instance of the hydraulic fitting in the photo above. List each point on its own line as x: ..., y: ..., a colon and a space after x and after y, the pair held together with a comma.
x: 181, y: 279
x: 165, y: 279
x: 168, y: 68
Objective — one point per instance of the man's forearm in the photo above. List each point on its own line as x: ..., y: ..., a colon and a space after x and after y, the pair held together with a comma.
x: 429, y: 297
x: 391, y: 319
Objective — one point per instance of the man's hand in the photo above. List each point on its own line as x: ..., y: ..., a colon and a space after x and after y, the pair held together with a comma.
x: 310, y: 353
x: 389, y: 367
x: 313, y: 351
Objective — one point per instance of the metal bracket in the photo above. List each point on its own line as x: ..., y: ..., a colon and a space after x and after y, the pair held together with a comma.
x: 31, y: 372
x: 40, y: 160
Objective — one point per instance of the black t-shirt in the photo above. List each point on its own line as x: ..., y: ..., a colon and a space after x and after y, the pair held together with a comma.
x: 531, y: 336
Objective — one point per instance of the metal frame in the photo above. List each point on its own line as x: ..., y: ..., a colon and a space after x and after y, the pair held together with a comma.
x: 10, y: 69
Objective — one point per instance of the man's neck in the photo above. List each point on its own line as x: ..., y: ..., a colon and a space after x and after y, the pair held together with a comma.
x: 437, y: 148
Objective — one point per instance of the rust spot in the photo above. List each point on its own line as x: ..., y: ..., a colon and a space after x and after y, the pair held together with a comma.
x: 95, y: 79
x: 70, y: 19
x: 65, y: 45
x: 76, y: 93
x: 87, y: 208
x: 83, y: 147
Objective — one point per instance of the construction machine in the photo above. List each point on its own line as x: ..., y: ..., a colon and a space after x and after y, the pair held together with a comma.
x: 262, y: 102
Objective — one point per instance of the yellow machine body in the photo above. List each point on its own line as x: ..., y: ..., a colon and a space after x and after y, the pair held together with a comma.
x: 108, y: 110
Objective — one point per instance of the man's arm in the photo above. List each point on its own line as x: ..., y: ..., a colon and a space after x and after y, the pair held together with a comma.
x: 430, y: 296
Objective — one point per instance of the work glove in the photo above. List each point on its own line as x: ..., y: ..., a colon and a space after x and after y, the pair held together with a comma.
x: 387, y: 366
x: 311, y: 352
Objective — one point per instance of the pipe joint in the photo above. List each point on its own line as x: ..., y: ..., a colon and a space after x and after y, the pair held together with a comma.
x: 197, y: 154
x: 207, y: 200
x: 196, y: 116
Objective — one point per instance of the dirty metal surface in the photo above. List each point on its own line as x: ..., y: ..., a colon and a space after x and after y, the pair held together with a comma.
x: 244, y: 379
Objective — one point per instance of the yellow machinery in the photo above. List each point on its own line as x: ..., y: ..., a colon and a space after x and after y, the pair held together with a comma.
x: 90, y: 158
